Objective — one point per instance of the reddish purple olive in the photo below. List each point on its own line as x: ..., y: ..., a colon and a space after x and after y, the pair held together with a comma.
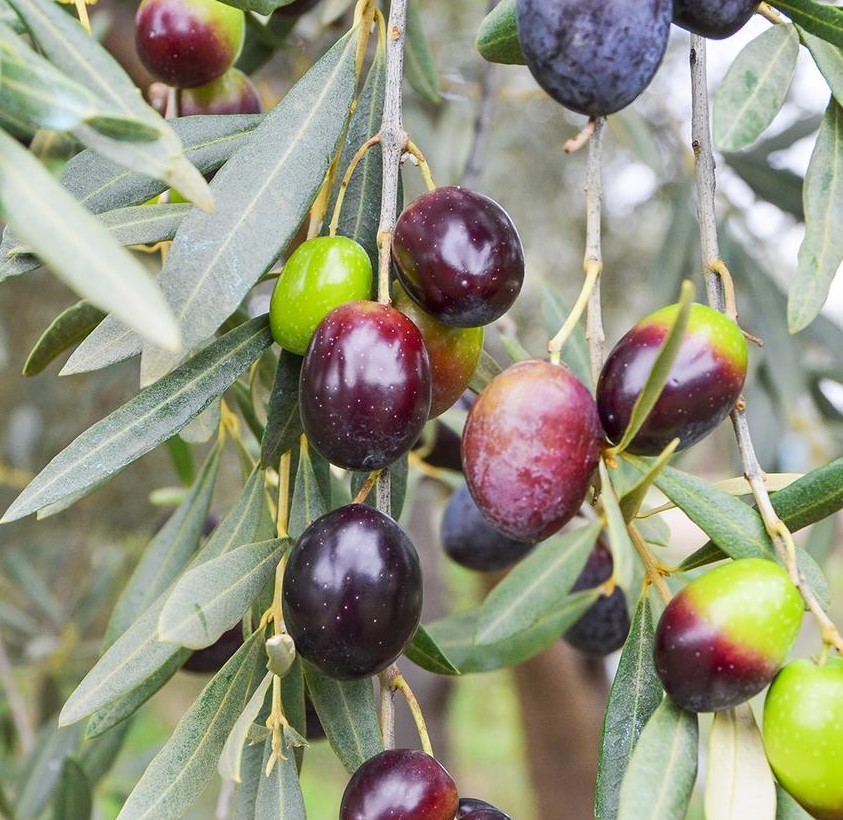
x: 187, y: 43
x: 400, y: 784
x: 703, y: 386
x: 530, y: 447
x: 212, y: 658
x: 470, y: 807
x: 471, y: 541
x: 233, y: 93
x: 722, y: 639
x: 713, y: 18
x: 352, y: 592
x: 365, y: 386
x: 604, y: 626
x: 458, y: 256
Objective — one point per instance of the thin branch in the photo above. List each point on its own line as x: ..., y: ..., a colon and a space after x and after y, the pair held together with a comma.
x: 654, y: 574
x: 387, y: 710
x: 397, y: 683
x: 17, y: 705
x: 721, y: 296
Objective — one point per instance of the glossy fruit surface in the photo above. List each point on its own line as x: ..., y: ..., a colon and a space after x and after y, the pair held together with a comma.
x: 352, y: 592
x: 365, y: 386
x: 803, y: 734
x: 470, y: 540
x: 233, y: 93
x: 724, y: 636
x: 593, y: 57
x: 186, y: 43
x: 705, y: 382
x: 713, y: 18
x: 297, y: 7
x: 400, y: 784
x: 458, y: 256
x: 530, y: 446
x: 215, y: 656
x: 604, y: 626
x: 470, y: 806
x: 453, y: 352
x: 320, y: 275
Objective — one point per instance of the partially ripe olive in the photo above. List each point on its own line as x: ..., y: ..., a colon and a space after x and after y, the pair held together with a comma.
x: 458, y: 256
x: 803, y: 734
x: 726, y: 634
x: 703, y: 386
x: 233, y: 93
x: 713, y: 18
x: 400, y: 784
x: 352, y: 592
x: 530, y: 447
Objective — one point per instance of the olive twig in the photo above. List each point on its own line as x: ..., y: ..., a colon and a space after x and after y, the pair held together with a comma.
x: 82, y: 11
x: 282, y: 514
x: 721, y: 296
x: 346, y: 181
x: 769, y: 13
x: 575, y: 143
x: 397, y: 683
x: 364, y: 491
x: 387, y: 710
x: 654, y: 574
x: 415, y: 152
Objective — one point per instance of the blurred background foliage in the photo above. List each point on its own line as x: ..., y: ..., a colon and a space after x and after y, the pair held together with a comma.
x: 60, y: 577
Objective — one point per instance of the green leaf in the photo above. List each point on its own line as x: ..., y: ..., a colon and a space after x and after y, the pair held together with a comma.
x: 293, y: 700
x: 536, y: 586
x: 732, y: 525
x: 231, y: 758
x: 656, y: 380
x: 348, y: 715
x: 73, y: 799
x: 822, y: 249
x: 78, y: 249
x: 575, y: 354
x: 283, y: 422
x: 819, y: 18
x: 108, y: 343
x: 309, y: 502
x: 426, y: 653
x: 787, y: 808
x: 279, y: 795
x: 169, y: 551
x: 246, y: 792
x: 829, y: 60
x: 68, y: 328
x: 180, y: 771
x: 138, y: 654
x: 211, y: 598
x: 739, y: 783
x: 497, y: 37
x: 99, y: 754
x: 151, y: 417
x: 263, y: 194
x: 419, y: 68
x: 754, y: 89
x: 634, y: 497
x: 623, y: 552
x: 635, y: 694
x: 487, y: 369
x: 663, y: 768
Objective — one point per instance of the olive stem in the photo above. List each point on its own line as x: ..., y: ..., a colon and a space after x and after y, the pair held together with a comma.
x: 282, y: 515
x: 346, y: 181
x: 769, y: 13
x: 415, y: 152
x: 575, y: 143
x: 82, y: 11
x: 387, y: 711
x: 364, y: 491
x: 721, y: 296
x: 654, y: 574
x: 17, y: 705
x: 397, y: 683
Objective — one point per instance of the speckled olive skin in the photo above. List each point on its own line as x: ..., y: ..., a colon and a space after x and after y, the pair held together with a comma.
x: 722, y: 639
x: 365, y: 386
x: 803, y: 734
x: 400, y: 784
x: 186, y: 43
x: 297, y: 8
x: 593, y: 56
x: 703, y: 386
x: 453, y: 352
x: 320, y: 275
x: 530, y: 447
x: 713, y: 18
x: 458, y: 256
x: 605, y: 625
x: 470, y: 806
x: 352, y: 592
x: 215, y: 656
x: 233, y: 93
x: 471, y: 541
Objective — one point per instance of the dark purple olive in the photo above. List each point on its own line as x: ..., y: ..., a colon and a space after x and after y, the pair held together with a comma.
x: 487, y: 814
x: 441, y: 449
x: 713, y: 18
x: 352, y: 592
x: 365, y: 386
x: 473, y: 808
x: 215, y: 656
x: 400, y: 784
x: 604, y: 626
x: 470, y: 540
x: 458, y: 256
x: 297, y: 8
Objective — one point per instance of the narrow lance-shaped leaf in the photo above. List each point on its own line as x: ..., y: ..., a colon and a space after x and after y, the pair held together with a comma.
x: 279, y: 795
x: 283, y: 422
x: 426, y: 653
x: 635, y: 694
x: 634, y: 497
x: 151, y: 417
x: 263, y: 194
x: 754, y: 89
x: 497, y: 37
x: 661, y: 774
x: 739, y: 782
x: 536, y: 586
x: 108, y: 343
x: 78, y: 249
x: 822, y: 19
x: 309, y: 502
x: 623, y: 553
x: 71, y: 326
x: 231, y: 757
x: 829, y: 61
x: 419, y: 67
x: 787, y: 808
x: 180, y: 771
x: 73, y: 798
x: 822, y: 249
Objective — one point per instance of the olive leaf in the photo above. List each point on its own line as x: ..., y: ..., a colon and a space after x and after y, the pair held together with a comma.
x: 426, y: 653
x: 819, y: 18
x: 419, y: 67
x: 497, y: 37
x: 283, y: 423
x: 73, y: 797
x: 231, y: 757
x: 279, y: 794
x: 71, y: 326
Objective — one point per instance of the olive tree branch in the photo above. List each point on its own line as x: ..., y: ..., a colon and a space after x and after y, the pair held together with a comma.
x: 721, y: 296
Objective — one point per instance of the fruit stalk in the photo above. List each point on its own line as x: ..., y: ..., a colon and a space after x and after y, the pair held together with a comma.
x: 721, y: 296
